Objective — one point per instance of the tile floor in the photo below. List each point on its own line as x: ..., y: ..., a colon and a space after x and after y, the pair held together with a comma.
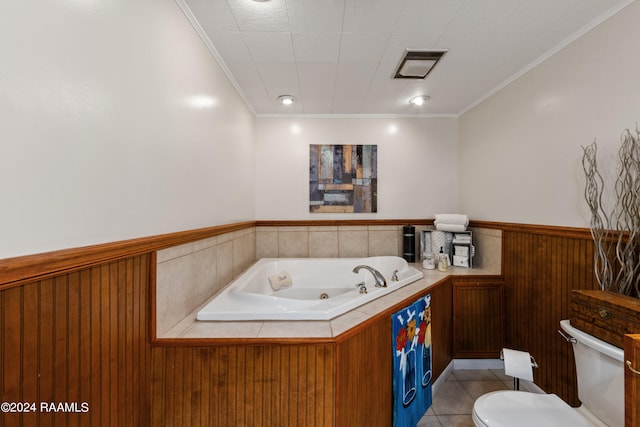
x: 453, y: 404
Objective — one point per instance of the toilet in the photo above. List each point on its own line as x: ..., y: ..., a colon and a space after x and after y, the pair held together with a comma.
x: 600, y: 371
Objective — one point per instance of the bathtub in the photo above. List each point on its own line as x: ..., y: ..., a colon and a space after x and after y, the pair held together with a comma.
x: 321, y: 289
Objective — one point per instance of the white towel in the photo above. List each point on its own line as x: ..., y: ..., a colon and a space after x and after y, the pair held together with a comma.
x: 461, y: 238
x: 280, y: 280
x: 456, y: 219
x: 450, y: 227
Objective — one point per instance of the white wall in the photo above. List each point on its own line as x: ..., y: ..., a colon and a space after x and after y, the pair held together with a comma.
x: 520, y: 151
x: 417, y: 165
x: 115, y: 122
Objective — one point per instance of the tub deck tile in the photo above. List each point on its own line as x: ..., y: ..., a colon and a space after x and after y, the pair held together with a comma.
x: 223, y: 330
x: 295, y: 329
x: 347, y: 321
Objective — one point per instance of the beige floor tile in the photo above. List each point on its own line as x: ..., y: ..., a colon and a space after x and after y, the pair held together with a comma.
x: 475, y: 375
x: 478, y: 388
x: 455, y: 421
x: 429, y: 421
x: 453, y: 405
x: 501, y: 375
x: 452, y: 399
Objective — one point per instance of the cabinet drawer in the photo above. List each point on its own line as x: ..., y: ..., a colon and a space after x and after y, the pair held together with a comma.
x: 605, y: 315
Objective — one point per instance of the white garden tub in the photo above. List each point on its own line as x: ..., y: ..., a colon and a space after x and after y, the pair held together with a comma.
x: 321, y: 289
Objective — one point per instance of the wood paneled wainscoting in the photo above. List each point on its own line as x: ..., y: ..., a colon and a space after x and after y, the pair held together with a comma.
x: 541, y: 265
x: 80, y: 340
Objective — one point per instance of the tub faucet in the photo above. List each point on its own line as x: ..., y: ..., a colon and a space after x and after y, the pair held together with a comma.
x: 380, y: 281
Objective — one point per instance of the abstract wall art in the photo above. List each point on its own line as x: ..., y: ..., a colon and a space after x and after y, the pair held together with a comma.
x: 343, y: 178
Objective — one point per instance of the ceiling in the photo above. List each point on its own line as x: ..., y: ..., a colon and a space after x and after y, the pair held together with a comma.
x: 337, y: 57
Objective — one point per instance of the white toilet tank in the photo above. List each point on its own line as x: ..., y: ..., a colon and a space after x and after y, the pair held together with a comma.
x: 600, y: 371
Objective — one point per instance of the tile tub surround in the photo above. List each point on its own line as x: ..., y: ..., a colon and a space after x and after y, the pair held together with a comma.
x: 190, y: 328
x: 362, y: 241
x: 188, y: 275
x: 351, y: 241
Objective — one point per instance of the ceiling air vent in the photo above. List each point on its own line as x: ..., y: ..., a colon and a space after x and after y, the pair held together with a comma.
x: 417, y: 64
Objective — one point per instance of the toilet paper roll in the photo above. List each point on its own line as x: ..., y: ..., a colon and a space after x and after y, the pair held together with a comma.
x: 518, y: 364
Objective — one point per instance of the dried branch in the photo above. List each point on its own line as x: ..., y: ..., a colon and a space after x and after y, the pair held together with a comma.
x: 618, y: 268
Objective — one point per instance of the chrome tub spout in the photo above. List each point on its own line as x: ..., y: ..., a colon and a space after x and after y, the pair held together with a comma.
x: 380, y: 280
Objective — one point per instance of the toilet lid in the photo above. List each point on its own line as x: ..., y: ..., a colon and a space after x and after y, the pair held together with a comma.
x: 523, y: 409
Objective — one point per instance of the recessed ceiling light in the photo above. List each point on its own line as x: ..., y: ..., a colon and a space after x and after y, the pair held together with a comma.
x: 286, y: 99
x: 417, y: 64
x: 419, y: 100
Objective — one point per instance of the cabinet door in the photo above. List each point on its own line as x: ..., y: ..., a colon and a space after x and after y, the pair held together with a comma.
x: 478, y: 319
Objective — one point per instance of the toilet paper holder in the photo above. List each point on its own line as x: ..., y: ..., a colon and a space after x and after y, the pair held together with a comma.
x: 516, y: 380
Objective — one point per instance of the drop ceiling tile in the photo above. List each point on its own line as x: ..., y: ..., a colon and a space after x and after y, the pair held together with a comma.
x: 432, y: 16
x: 278, y: 72
x: 355, y: 74
x: 356, y: 47
x: 230, y: 45
x: 247, y: 77
x: 317, y: 97
x: 317, y: 47
x: 532, y: 15
x: 371, y: 15
x: 482, y: 16
x: 353, y: 81
x: 213, y: 14
x: 317, y: 85
x: 316, y: 16
x: 321, y: 72
x: 397, y: 93
x: 385, y: 71
x: 269, y: 46
x: 260, y: 16
x: 585, y: 12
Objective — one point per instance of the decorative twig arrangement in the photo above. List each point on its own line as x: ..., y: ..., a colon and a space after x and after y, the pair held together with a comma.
x: 617, y: 235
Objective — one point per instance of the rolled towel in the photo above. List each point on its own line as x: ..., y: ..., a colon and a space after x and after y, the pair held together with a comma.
x: 457, y: 219
x: 438, y: 240
x: 280, y: 280
x: 451, y: 227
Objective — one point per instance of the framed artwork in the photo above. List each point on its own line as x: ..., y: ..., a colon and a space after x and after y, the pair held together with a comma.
x: 343, y: 178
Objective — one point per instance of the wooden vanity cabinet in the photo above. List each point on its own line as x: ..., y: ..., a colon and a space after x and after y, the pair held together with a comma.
x: 478, y: 317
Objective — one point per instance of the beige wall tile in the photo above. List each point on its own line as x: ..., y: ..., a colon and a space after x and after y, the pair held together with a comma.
x: 488, y: 244
x: 224, y: 262
x: 182, y: 285
x: 244, y: 252
x: 384, y: 242
x: 323, y: 244
x: 187, y: 248
x: 267, y: 243
x: 293, y: 244
x: 353, y: 243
